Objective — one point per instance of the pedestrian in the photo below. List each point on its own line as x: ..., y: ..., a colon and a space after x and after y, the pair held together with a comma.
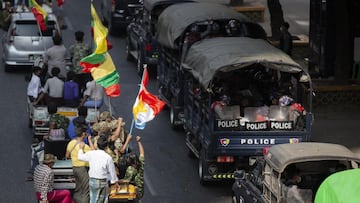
x: 100, y: 166
x: 286, y: 43
x: 44, y: 183
x: 55, y: 57
x: 80, y: 168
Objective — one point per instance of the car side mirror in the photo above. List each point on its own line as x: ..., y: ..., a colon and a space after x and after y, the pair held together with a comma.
x: 239, y: 174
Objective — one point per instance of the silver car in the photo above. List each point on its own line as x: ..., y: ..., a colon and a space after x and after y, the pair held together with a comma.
x: 24, y: 41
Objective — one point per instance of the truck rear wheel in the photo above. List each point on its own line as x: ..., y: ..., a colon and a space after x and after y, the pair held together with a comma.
x: 129, y: 57
x: 203, y: 166
x: 173, y: 115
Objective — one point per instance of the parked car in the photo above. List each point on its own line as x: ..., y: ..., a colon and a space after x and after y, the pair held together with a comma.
x: 313, y: 163
x: 24, y: 42
x: 117, y: 14
x: 141, y: 45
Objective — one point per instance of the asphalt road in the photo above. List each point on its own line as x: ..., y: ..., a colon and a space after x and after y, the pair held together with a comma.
x: 170, y: 175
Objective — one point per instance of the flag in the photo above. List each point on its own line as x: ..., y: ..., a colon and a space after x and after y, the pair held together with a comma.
x: 107, y: 76
x: 100, y: 63
x: 39, y: 13
x: 146, y: 105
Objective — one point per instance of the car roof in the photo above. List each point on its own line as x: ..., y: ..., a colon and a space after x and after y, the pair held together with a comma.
x: 29, y: 16
x: 281, y: 155
x: 223, y: 54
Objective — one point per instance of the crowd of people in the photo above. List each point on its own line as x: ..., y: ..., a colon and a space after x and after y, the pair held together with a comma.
x: 54, y: 83
x: 100, y: 157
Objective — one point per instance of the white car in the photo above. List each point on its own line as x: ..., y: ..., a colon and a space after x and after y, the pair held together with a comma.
x: 24, y: 41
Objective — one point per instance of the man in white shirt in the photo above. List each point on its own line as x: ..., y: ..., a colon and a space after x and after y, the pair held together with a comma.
x: 93, y: 95
x: 101, y: 166
x: 34, y: 88
x: 54, y: 89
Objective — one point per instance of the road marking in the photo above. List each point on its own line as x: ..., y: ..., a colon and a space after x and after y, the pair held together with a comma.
x: 302, y: 22
x: 68, y: 23
x: 149, y: 186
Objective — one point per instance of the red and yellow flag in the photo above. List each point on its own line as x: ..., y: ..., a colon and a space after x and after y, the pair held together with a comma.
x: 39, y: 13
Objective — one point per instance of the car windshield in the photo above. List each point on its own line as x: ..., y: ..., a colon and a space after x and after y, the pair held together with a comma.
x: 30, y: 28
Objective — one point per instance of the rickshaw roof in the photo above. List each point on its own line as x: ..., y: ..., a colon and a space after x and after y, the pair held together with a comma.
x: 208, y: 57
x: 176, y: 18
x: 281, y: 155
x: 151, y: 4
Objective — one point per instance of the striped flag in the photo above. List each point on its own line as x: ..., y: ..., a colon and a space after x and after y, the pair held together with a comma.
x: 39, y: 13
x: 100, y: 63
x: 146, y: 105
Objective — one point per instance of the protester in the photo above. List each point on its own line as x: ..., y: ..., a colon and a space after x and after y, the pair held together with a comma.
x: 55, y: 57
x: 101, y: 165
x: 93, y: 95
x: 71, y: 91
x: 5, y: 18
x: 135, y: 170
x: 44, y: 183
x: 80, y: 168
x: 53, y: 89
x: 78, y: 51
x: 78, y: 121
x: 34, y: 88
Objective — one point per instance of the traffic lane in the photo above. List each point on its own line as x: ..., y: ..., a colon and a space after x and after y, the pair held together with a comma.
x: 15, y: 140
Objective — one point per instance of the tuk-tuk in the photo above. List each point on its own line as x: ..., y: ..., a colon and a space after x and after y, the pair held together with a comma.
x: 313, y: 161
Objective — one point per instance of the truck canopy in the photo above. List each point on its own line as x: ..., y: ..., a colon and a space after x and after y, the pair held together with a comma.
x: 210, y: 56
x: 174, y: 20
x: 151, y: 4
x: 281, y: 155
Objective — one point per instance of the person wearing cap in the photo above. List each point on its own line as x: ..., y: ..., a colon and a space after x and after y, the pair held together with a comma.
x: 44, y: 183
x: 101, y: 167
x: 80, y: 168
x: 34, y: 88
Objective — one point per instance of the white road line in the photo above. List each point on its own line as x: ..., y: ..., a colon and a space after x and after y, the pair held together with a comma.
x: 149, y: 185
x: 68, y: 23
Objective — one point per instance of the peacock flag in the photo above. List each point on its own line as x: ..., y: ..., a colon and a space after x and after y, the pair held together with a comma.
x: 39, y: 13
x: 100, y: 63
x: 146, y: 105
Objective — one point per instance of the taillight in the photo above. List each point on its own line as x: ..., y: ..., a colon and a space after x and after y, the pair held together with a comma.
x: 148, y: 47
x: 39, y: 123
x: 12, y: 34
x: 112, y: 5
x: 225, y: 159
x: 265, y: 150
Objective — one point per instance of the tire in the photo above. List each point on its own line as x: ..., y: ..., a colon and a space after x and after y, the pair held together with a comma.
x: 129, y: 57
x: 237, y: 200
x: 140, y: 64
x: 30, y: 123
x: 202, y: 167
x: 173, y: 115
